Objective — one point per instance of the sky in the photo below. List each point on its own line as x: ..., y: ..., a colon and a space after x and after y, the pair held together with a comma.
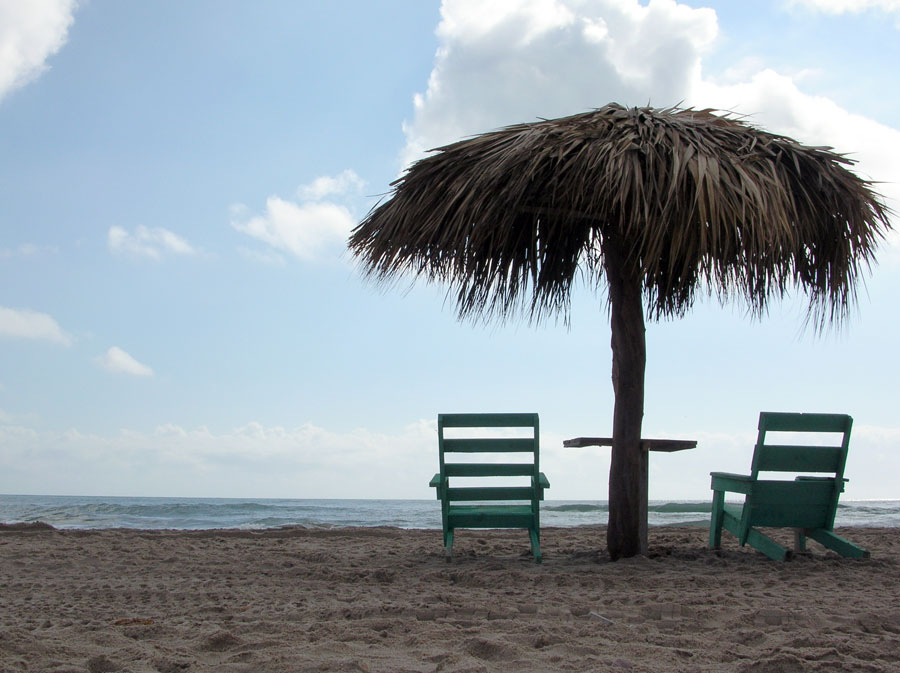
x: 178, y: 312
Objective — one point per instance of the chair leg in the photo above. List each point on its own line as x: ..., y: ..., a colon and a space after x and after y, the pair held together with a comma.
x: 837, y: 543
x: 799, y: 540
x: 767, y: 546
x: 715, y: 521
x: 448, y: 545
x: 535, y: 545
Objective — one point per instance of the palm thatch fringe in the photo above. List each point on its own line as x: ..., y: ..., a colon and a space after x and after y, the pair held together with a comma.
x: 509, y: 219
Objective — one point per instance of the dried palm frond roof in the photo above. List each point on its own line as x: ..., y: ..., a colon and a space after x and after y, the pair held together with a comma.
x: 702, y: 201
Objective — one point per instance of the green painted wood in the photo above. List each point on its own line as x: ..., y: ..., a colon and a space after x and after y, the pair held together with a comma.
x: 438, y: 485
x: 535, y: 536
x: 488, y: 420
x: 767, y: 545
x: 794, y: 458
x: 765, y: 455
x: 774, y: 421
x: 773, y: 492
x: 498, y: 506
x: 731, y: 523
x: 490, y: 445
x: 448, y: 542
x: 715, y: 528
x: 491, y: 516
x: 735, y: 483
x: 807, y: 504
x: 831, y: 480
x: 489, y: 469
x: 837, y: 543
x: 797, y: 517
x: 470, y: 494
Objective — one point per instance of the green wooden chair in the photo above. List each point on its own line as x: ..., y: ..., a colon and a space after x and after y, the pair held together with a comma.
x: 490, y: 506
x: 807, y: 504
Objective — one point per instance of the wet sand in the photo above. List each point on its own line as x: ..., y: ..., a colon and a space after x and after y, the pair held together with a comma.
x: 381, y: 599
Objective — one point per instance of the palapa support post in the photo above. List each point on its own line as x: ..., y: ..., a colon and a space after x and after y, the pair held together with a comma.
x: 627, y: 531
x: 647, y: 445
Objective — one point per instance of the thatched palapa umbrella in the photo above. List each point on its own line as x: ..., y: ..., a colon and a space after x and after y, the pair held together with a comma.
x: 653, y: 204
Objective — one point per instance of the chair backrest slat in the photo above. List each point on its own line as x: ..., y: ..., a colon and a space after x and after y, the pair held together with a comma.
x: 489, y: 445
x: 488, y: 469
x: 776, y: 421
x: 473, y: 493
x: 487, y: 420
x: 791, y: 458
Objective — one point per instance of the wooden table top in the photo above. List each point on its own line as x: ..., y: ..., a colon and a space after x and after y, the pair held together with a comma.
x: 667, y: 445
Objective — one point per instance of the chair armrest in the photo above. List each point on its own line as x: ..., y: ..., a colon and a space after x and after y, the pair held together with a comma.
x: 436, y: 483
x: 541, y: 483
x: 736, y: 483
x: 839, y: 483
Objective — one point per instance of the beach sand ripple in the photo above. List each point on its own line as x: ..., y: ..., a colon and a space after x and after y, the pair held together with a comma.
x: 375, y: 600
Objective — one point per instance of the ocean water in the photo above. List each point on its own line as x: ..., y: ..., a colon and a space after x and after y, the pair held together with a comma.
x: 204, y: 513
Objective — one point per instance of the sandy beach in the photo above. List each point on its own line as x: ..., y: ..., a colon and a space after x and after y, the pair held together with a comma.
x: 382, y: 599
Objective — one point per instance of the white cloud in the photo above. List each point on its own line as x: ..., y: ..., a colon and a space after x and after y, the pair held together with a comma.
x: 30, y: 32
x: 346, y: 182
x: 310, y: 230
x: 304, y: 230
x: 147, y: 242
x: 119, y: 362
x: 25, y: 250
x: 307, y: 462
x: 849, y: 6
x: 517, y: 62
x: 27, y: 324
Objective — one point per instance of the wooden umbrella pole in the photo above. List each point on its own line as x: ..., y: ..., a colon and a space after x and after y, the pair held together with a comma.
x: 627, y: 472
